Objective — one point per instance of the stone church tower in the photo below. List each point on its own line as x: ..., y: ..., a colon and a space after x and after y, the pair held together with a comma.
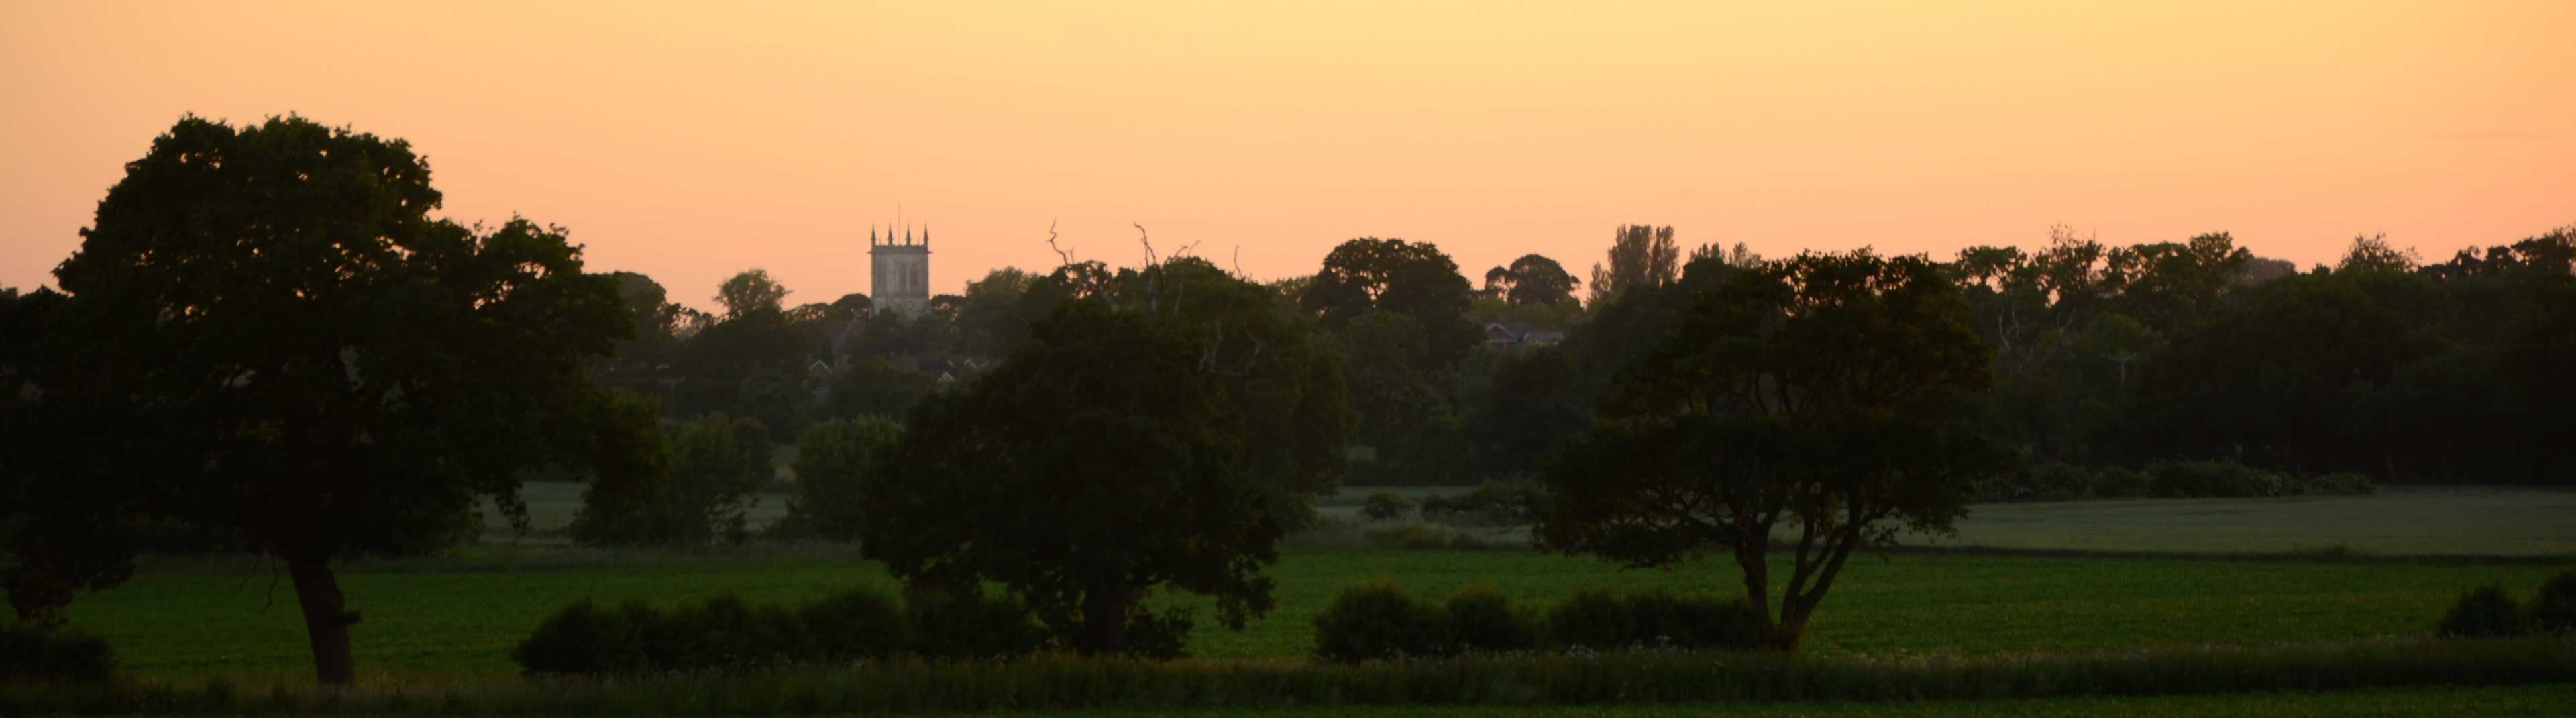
x: 900, y: 282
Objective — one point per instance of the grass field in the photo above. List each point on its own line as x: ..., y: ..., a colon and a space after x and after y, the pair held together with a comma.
x: 459, y: 616
x: 2393, y: 522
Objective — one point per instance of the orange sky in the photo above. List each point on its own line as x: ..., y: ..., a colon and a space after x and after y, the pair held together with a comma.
x: 690, y: 141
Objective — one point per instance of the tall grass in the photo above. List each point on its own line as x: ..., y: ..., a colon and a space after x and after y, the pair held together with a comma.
x: 1056, y: 681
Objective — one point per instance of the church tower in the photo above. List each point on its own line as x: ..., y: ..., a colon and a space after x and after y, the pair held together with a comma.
x: 900, y: 277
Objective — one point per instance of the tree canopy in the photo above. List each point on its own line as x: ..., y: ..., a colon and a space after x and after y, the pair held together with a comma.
x: 1813, y: 391
x: 338, y: 373
x: 1108, y: 457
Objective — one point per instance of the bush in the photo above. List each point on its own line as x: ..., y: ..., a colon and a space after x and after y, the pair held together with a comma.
x: 1494, y: 502
x: 2212, y: 479
x: 962, y: 624
x: 2059, y: 481
x: 1385, y: 506
x: 1373, y: 620
x: 1699, y: 622
x: 62, y: 656
x: 1159, y: 636
x: 2554, y: 610
x: 855, y: 624
x: 724, y: 632
x: 1482, y: 619
x: 2483, y: 612
x: 585, y: 638
x: 2346, y: 484
x: 1601, y: 620
x: 2120, y: 483
x: 1589, y: 618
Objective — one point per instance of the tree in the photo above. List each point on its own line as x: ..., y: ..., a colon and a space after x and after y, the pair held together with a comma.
x: 700, y: 493
x: 1392, y: 275
x: 1108, y: 457
x: 1809, y: 391
x: 1640, y: 256
x: 336, y: 372
x: 831, y: 466
x: 60, y: 527
x: 2372, y: 254
x: 1539, y: 280
x: 749, y: 292
x: 876, y: 387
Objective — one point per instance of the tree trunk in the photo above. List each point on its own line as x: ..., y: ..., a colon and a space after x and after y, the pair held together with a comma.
x: 1104, y: 623
x: 326, y: 619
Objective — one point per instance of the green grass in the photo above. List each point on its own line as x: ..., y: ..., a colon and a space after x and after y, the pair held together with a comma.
x: 459, y: 616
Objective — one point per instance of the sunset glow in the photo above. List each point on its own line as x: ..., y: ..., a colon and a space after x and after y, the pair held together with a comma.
x: 692, y: 141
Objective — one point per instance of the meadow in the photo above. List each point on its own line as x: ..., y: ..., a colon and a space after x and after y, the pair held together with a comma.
x: 2063, y: 579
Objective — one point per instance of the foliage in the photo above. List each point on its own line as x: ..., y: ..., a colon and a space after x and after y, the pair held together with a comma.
x: 2384, y: 366
x: 1640, y: 256
x: 751, y: 292
x: 726, y: 632
x: 1599, y: 619
x: 1374, y: 620
x: 34, y: 655
x: 831, y: 466
x: 459, y: 616
x: 1107, y: 458
x: 61, y: 529
x: 334, y: 372
x: 1483, y: 620
x: 2483, y: 612
x: 710, y: 480
x: 876, y: 387
x: 1532, y: 279
x: 1384, y: 506
x: 1807, y: 390
x: 965, y: 623
x: 1536, y: 400
x: 2554, y: 609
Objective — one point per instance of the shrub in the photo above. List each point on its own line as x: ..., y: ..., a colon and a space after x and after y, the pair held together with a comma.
x: 1159, y: 636
x: 2345, y: 484
x: 2483, y: 612
x: 724, y: 631
x: 1386, y: 506
x: 1482, y: 619
x: 855, y: 624
x: 2059, y: 481
x: 587, y: 638
x: 2120, y: 483
x: 61, y: 656
x: 967, y: 624
x: 1599, y: 619
x: 2211, y: 479
x: 2554, y: 610
x: 1374, y: 619
x: 1699, y: 621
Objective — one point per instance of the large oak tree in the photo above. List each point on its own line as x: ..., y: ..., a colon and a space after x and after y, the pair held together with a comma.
x: 1807, y: 395
x: 332, y: 371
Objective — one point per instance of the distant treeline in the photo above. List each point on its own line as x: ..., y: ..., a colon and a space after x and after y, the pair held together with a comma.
x: 2381, y: 365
